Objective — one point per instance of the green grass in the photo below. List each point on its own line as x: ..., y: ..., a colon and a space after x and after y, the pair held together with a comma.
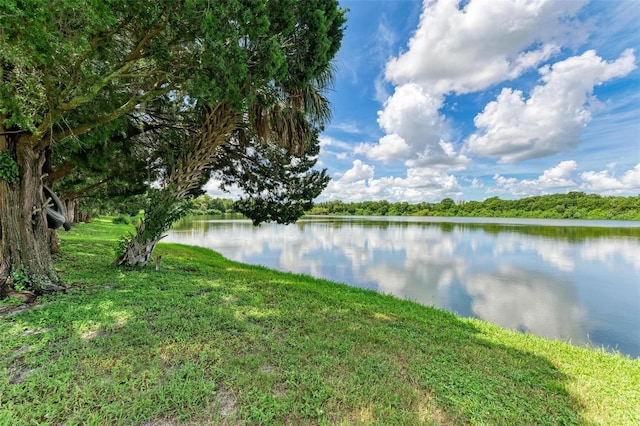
x: 209, y: 341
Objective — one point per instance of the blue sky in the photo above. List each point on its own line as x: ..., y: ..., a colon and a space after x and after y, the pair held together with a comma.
x: 482, y: 98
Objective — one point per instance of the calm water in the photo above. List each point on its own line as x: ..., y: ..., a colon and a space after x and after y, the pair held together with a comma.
x: 576, y: 281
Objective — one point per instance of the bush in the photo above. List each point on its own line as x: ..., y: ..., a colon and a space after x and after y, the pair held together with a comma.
x: 123, y: 220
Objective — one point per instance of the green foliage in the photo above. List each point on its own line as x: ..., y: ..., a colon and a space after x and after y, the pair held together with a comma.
x: 10, y: 303
x: 574, y: 205
x: 21, y: 279
x: 161, y: 210
x: 278, y: 185
x: 103, y: 84
x: 8, y: 168
x: 206, y: 205
x: 80, y: 65
x: 121, y: 220
x: 105, y: 172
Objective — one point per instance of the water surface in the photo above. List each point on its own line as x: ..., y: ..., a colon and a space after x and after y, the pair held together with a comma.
x: 575, y: 281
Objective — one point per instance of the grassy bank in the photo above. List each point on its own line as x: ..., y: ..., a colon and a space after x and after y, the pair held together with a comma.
x: 209, y: 341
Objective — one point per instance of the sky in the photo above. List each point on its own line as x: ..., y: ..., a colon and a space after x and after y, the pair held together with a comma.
x: 482, y: 98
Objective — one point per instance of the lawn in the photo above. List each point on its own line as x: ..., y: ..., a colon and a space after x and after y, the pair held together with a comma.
x: 205, y: 340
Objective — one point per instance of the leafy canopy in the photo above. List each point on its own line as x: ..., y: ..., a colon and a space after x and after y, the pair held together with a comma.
x: 67, y: 67
x: 277, y: 185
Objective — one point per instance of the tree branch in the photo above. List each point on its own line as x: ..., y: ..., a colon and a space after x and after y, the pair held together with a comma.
x: 80, y: 192
x: 61, y: 171
x: 122, y: 110
x: 93, y: 90
x: 93, y: 45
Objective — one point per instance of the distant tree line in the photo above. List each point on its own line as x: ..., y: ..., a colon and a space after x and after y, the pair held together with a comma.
x: 206, y: 205
x: 573, y: 205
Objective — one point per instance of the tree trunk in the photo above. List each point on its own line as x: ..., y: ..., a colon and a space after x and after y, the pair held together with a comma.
x: 138, y: 251
x: 161, y: 210
x: 70, y: 209
x: 54, y: 242
x: 25, y: 259
x: 167, y: 205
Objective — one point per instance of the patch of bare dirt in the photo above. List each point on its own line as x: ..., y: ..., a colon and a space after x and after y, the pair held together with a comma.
x: 227, y: 402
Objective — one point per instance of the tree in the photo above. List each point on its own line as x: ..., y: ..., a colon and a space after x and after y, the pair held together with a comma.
x: 275, y: 124
x: 278, y: 185
x: 108, y: 174
x: 268, y: 150
x: 67, y: 68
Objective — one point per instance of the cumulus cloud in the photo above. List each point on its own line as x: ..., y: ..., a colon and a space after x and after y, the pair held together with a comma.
x: 389, y: 149
x: 561, y: 177
x: 414, y: 131
x: 358, y: 172
x: 604, y: 181
x: 412, y: 112
x: 441, y: 155
x: 465, y: 49
x: 557, y: 177
x: 420, y: 184
x: 460, y: 47
x: 550, y: 120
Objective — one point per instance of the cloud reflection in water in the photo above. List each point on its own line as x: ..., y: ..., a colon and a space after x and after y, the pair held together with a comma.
x: 515, y: 277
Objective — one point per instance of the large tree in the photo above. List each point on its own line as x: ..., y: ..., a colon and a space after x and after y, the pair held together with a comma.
x: 268, y: 149
x: 67, y: 68
x: 277, y: 185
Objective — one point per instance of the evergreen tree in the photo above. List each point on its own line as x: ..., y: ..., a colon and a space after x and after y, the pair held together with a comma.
x: 278, y: 185
x: 69, y: 68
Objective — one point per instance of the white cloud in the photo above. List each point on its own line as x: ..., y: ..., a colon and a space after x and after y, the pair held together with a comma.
x: 459, y: 49
x: 557, y: 177
x: 600, y: 181
x: 487, y: 41
x: 606, y: 182
x: 212, y: 187
x: 420, y: 184
x: 560, y: 177
x: 358, y: 172
x: 333, y: 147
x: 412, y: 112
x: 414, y: 131
x: 441, y: 155
x: 389, y: 149
x: 476, y: 184
x: 550, y: 120
x: 325, y: 141
x: 347, y: 127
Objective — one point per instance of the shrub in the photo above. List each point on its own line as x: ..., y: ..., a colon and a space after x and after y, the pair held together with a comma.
x: 121, y: 220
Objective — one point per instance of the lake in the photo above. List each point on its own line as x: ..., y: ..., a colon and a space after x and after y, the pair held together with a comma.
x: 576, y: 281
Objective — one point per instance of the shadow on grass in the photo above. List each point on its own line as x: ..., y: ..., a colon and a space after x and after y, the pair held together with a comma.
x: 436, y: 366
x: 207, y: 340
